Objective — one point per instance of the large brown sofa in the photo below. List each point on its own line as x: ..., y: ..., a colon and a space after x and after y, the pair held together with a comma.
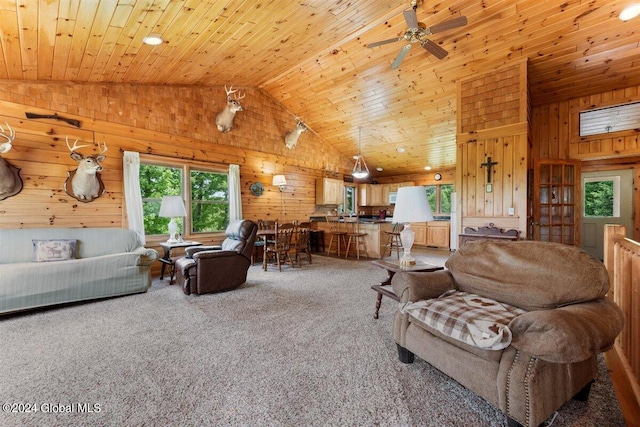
x: 561, y: 320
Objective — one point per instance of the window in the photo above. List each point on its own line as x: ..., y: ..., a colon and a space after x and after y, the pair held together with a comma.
x: 602, y: 196
x: 205, y: 193
x: 439, y: 197
x: 610, y: 119
x: 349, y: 204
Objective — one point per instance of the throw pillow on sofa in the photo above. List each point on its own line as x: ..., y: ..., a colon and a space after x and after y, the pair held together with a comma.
x: 53, y: 250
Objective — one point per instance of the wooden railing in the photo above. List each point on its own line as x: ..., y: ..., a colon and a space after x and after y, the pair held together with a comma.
x: 622, y: 258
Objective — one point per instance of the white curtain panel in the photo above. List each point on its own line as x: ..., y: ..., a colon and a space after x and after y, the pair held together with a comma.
x: 132, y: 195
x: 235, y: 198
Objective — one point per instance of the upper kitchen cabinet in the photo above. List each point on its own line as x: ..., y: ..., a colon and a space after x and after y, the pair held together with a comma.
x: 371, y: 195
x: 329, y: 191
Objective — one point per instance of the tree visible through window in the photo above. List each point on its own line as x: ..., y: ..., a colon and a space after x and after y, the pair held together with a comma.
x: 439, y: 197
x: 208, y: 208
x: 599, y: 198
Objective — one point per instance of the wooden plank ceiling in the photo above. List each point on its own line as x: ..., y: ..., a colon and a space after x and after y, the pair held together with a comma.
x: 312, y: 57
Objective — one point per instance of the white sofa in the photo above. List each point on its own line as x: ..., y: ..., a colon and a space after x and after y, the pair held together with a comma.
x: 106, y: 262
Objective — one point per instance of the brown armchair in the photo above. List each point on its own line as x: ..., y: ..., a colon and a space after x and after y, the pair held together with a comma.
x: 206, y: 269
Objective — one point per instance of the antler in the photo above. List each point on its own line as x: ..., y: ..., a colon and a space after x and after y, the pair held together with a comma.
x: 9, y: 138
x: 75, y: 145
x: 102, y: 148
x: 230, y: 90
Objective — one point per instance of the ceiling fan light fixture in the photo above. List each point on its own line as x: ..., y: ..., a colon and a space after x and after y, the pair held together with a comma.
x: 630, y: 12
x: 360, y: 169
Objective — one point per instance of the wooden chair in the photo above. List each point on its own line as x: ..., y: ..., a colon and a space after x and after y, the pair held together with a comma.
x: 355, y: 235
x: 302, y: 244
x: 393, y: 241
x: 259, y: 244
x: 336, y: 233
x: 280, y: 250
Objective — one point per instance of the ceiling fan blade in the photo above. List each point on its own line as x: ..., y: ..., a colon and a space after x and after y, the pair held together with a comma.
x: 411, y: 18
x: 434, y: 49
x: 380, y: 43
x: 447, y: 25
x: 400, y: 57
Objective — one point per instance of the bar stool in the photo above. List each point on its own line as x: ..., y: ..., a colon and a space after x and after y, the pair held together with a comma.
x: 394, y: 241
x: 356, y: 236
x: 336, y: 232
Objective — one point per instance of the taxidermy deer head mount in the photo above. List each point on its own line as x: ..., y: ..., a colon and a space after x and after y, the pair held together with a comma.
x: 10, y: 181
x: 224, y: 119
x: 86, y: 183
x: 291, y: 138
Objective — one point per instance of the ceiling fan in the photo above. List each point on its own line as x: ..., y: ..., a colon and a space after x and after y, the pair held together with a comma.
x: 418, y: 34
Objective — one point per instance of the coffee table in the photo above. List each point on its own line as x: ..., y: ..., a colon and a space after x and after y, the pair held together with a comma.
x: 393, y: 267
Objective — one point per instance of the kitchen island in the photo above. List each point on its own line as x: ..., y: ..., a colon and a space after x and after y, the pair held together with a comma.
x: 376, y: 239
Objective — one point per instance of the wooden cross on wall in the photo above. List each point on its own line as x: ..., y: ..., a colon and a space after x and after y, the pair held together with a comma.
x: 489, y: 164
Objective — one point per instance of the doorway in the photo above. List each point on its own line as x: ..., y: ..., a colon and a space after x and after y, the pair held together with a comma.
x: 606, y: 199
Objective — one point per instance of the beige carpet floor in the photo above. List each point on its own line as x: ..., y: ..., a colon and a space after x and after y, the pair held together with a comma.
x: 296, y: 348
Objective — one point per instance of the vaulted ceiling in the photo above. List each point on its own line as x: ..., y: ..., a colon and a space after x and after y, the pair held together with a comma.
x: 312, y: 56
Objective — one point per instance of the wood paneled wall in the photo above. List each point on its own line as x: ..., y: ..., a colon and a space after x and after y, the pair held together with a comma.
x: 555, y: 135
x: 167, y: 122
x: 493, y: 112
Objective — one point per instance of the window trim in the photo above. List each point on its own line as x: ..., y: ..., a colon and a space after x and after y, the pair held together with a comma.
x: 186, y: 166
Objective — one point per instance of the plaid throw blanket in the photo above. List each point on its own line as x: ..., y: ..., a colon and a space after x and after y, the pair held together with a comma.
x: 472, y: 319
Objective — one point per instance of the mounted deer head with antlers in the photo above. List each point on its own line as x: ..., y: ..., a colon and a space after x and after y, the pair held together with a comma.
x: 86, y: 184
x: 291, y: 138
x: 10, y: 181
x: 224, y: 119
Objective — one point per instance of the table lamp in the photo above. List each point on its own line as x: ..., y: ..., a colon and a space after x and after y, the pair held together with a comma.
x: 411, y: 206
x: 172, y: 207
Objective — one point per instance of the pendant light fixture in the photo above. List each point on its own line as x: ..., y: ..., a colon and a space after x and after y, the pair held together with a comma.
x: 360, y: 169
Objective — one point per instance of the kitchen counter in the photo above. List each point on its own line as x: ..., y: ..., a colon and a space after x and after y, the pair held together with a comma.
x: 376, y: 239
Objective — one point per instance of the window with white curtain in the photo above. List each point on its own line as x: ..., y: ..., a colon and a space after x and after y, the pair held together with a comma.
x: 205, y: 192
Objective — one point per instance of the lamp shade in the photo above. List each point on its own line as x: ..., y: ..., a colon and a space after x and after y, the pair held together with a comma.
x: 172, y: 206
x: 279, y: 180
x: 412, y: 205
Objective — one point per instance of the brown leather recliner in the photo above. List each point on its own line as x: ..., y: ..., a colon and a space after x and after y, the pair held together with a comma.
x: 206, y: 269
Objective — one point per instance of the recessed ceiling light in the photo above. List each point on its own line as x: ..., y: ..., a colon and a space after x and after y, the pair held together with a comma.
x: 427, y: 168
x: 379, y: 169
x: 630, y: 12
x: 400, y: 150
x: 152, y: 40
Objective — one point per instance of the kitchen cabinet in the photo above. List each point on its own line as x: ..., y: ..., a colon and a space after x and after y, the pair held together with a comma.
x: 393, y: 188
x: 433, y: 233
x: 420, y: 229
x: 371, y: 195
x: 438, y: 234
x: 329, y: 191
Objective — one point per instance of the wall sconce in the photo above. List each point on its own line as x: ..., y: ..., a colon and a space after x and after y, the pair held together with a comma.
x: 280, y: 181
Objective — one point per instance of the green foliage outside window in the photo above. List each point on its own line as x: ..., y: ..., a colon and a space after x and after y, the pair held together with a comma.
x: 598, y: 200
x: 432, y: 197
x: 209, y: 205
x: 445, y: 191
x: 155, y: 182
x: 445, y: 198
x: 209, y: 201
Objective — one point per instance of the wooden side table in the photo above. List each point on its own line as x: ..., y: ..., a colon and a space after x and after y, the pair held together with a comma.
x: 167, y: 260
x: 393, y: 267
